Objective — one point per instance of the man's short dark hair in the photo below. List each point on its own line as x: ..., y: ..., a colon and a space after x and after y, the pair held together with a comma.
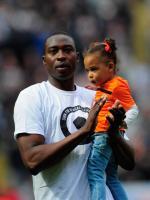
x: 57, y: 33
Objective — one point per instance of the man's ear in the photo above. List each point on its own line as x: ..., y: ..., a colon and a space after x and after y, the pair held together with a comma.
x: 43, y: 58
x: 78, y: 56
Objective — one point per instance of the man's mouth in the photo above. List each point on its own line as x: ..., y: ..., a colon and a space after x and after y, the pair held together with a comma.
x: 63, y: 66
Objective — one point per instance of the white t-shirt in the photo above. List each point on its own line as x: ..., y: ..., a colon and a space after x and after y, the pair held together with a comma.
x: 54, y: 113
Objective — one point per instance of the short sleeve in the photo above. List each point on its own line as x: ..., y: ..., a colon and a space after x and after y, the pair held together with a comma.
x: 123, y: 93
x: 28, y: 115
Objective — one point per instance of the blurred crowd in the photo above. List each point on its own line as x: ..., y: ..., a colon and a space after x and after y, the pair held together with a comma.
x: 24, y: 25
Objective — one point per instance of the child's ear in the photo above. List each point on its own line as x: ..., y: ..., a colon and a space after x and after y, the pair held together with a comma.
x: 111, y: 65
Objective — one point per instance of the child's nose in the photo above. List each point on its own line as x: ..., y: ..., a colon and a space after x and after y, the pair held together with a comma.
x: 90, y: 76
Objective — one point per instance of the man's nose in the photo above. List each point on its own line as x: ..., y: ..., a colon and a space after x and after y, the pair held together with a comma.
x: 61, y: 55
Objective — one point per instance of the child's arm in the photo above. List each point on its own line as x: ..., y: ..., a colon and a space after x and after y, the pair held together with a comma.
x: 123, y: 93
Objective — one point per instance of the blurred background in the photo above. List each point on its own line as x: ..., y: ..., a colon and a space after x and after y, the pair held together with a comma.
x: 24, y: 25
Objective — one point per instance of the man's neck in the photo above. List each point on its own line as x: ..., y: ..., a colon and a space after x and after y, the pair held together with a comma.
x: 67, y: 85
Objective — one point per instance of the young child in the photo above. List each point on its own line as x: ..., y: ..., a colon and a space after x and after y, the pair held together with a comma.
x: 100, y: 63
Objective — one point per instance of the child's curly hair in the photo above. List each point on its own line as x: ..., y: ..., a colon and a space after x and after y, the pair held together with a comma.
x: 107, y: 49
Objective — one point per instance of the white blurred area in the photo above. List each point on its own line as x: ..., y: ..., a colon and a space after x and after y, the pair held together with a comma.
x: 24, y: 25
x: 138, y: 190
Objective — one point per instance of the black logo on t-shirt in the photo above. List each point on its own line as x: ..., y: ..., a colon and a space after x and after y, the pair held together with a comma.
x: 78, y: 121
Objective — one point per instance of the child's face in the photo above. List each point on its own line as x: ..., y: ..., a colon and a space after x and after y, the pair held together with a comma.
x: 98, y: 69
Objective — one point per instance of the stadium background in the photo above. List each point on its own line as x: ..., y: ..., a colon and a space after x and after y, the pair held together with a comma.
x: 24, y: 24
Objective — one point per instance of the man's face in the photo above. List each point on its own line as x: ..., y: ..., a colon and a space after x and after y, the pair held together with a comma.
x: 60, y: 57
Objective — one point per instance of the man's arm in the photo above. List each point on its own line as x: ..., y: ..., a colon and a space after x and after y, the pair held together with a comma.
x: 38, y: 156
x: 124, y: 152
x: 122, y: 149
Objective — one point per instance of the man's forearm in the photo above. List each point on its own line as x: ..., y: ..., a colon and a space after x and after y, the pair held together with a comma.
x: 38, y: 156
x: 123, y: 151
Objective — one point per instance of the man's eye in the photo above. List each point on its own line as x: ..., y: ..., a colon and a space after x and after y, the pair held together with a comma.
x: 68, y: 49
x: 52, y: 51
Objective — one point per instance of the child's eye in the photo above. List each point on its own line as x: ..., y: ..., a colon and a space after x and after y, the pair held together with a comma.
x: 93, y: 69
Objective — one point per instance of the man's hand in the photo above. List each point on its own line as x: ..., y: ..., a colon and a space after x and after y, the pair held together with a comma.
x: 123, y: 151
x: 91, y: 121
x: 116, y: 118
x: 124, y: 125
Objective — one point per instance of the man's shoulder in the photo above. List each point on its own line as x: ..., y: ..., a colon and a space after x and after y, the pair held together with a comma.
x: 31, y: 95
x: 35, y: 88
x: 33, y: 91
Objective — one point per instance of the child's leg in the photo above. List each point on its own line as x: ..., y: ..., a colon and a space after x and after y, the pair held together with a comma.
x: 98, y: 160
x: 113, y: 182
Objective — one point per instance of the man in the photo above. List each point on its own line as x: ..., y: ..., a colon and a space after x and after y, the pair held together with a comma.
x: 53, y: 123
